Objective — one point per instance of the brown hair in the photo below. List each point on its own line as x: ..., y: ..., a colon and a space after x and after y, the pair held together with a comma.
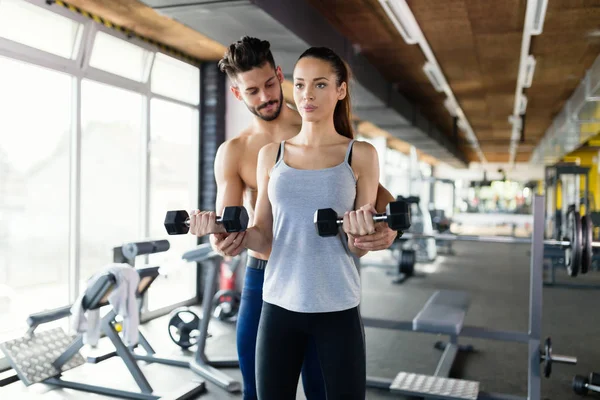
x: 341, y: 114
x: 244, y: 55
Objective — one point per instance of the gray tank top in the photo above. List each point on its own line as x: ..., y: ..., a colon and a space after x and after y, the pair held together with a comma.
x: 307, y: 272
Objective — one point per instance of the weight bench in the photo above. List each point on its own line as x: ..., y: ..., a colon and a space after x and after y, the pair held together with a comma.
x: 443, y: 313
x: 41, y: 357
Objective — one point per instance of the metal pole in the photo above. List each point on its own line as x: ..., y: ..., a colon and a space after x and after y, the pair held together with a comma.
x: 535, y: 299
x: 209, y: 288
x: 491, y: 239
x: 75, y: 195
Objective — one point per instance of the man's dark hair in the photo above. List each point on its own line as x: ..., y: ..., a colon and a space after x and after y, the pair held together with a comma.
x: 244, y: 55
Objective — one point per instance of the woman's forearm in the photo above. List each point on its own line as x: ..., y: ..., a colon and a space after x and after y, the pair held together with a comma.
x: 258, y: 240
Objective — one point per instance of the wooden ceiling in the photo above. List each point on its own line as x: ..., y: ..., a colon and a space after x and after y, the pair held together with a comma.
x: 143, y: 20
x: 477, y: 44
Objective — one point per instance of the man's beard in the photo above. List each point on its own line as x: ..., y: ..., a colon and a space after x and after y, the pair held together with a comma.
x: 270, y: 117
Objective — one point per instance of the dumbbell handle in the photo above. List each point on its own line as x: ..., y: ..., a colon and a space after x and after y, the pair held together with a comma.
x: 218, y: 220
x: 592, y: 387
x: 376, y: 218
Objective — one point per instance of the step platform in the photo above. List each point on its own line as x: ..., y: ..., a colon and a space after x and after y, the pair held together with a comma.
x: 32, y: 356
x: 436, y: 387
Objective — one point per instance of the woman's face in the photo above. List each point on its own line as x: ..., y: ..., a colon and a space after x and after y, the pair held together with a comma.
x: 315, y: 89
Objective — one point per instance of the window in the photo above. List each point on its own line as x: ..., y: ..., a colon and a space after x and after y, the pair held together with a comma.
x: 175, y: 79
x: 111, y: 172
x: 34, y: 192
x: 117, y: 203
x: 65, y: 36
x: 120, y: 57
x: 174, y: 149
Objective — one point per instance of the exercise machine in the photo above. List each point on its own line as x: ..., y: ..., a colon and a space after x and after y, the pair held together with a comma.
x: 201, y: 364
x: 444, y: 314
x: 42, y: 356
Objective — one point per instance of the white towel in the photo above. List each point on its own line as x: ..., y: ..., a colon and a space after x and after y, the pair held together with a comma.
x: 122, y: 299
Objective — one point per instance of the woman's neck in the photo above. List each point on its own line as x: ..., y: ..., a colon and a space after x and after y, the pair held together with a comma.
x: 318, y: 133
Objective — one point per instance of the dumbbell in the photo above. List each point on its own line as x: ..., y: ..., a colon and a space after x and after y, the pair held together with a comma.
x: 397, y: 216
x: 234, y: 219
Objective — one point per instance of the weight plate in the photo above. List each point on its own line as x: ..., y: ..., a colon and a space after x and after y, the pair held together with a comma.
x: 579, y: 383
x: 573, y: 252
x: 587, y: 231
x: 407, y: 262
x: 183, y: 327
x: 226, y: 304
x: 594, y: 378
x: 548, y: 357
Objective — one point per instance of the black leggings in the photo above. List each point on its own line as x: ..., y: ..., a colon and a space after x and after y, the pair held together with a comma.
x: 281, y: 345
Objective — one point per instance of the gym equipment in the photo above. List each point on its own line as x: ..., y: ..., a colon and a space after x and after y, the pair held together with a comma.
x: 573, y: 253
x: 227, y: 300
x: 422, y: 224
x: 200, y: 363
x: 581, y: 384
x: 397, y: 216
x: 587, y: 233
x: 227, y: 304
x: 130, y: 251
x: 183, y: 327
x: 567, y: 175
x: 406, y: 266
x: 44, y: 356
x: 234, y: 219
x: 573, y: 243
x: 444, y: 314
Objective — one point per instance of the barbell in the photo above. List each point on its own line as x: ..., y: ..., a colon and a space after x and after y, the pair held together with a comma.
x: 578, y: 244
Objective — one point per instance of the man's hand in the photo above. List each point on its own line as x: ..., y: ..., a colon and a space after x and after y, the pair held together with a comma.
x: 380, y: 240
x: 229, y: 244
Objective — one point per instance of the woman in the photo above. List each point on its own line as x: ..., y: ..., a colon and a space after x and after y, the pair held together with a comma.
x: 312, y: 285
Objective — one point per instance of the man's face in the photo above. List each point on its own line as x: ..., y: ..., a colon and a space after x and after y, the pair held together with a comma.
x: 260, y: 89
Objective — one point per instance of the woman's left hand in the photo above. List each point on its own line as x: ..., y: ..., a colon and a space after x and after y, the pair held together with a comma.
x: 360, y: 222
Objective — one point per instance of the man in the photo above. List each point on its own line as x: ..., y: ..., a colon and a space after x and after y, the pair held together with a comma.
x: 257, y: 81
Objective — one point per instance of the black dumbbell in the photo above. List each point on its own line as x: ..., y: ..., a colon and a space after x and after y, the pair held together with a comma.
x: 397, y: 215
x: 234, y: 219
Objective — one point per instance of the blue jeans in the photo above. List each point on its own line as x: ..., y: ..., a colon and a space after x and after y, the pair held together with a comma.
x: 247, y: 331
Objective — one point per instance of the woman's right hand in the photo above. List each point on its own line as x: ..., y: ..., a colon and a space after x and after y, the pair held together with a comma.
x: 360, y: 222
x: 229, y: 244
x: 203, y: 222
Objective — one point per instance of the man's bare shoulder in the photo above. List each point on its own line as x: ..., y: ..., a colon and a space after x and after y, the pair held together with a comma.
x: 269, y: 149
x: 236, y: 145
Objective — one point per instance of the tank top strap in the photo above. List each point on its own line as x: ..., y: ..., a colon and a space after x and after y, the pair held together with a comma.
x: 280, y: 152
x: 349, y: 152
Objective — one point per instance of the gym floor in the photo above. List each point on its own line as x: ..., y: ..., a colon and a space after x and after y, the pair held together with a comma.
x: 496, y: 275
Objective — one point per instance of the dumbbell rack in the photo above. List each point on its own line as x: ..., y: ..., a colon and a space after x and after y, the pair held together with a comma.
x: 433, y: 386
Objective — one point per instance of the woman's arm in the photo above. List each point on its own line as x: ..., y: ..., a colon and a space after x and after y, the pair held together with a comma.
x: 366, y: 168
x: 259, y: 237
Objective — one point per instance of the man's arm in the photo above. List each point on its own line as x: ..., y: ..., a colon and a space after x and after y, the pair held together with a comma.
x: 259, y: 237
x: 230, y: 192
x: 383, y: 198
